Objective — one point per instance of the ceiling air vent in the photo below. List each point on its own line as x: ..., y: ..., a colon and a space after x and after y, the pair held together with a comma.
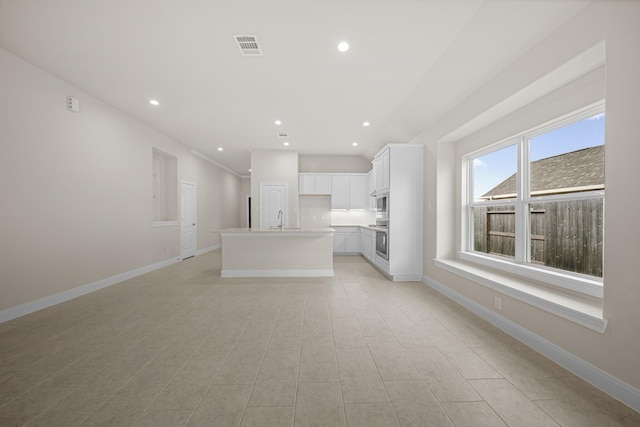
x: 248, y: 45
x: 283, y: 135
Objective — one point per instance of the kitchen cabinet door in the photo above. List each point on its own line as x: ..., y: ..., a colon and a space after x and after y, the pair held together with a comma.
x: 307, y: 184
x: 323, y: 184
x: 340, y: 192
x: 351, y: 243
x: 339, y: 242
x: 371, y: 187
x: 381, y: 171
x: 357, y: 191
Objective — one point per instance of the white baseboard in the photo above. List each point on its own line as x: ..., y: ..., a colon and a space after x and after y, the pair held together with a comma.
x: 606, y: 382
x: 209, y: 249
x: 29, y: 307
x: 406, y: 278
x: 277, y: 273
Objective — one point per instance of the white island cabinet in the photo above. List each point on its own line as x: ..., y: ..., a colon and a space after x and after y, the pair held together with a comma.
x: 251, y: 252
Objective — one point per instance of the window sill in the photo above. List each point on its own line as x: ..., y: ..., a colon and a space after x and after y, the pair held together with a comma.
x: 164, y: 223
x: 581, y: 309
x: 572, y: 282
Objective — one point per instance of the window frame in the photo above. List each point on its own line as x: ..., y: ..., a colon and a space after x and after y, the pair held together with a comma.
x: 521, y: 264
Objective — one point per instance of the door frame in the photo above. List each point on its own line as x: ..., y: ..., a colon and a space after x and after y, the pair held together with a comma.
x: 195, y: 210
x: 285, y: 211
x: 247, y: 205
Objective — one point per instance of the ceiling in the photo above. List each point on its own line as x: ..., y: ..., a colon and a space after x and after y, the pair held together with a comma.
x: 409, y: 62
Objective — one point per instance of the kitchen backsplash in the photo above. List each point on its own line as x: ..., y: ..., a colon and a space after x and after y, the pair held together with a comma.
x: 315, y: 211
x: 353, y: 217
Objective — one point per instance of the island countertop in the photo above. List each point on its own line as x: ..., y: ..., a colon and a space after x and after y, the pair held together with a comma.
x: 278, y: 231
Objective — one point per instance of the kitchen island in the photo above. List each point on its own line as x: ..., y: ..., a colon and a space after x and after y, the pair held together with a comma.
x: 276, y: 252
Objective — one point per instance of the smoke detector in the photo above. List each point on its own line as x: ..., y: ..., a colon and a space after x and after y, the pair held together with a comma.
x: 248, y: 45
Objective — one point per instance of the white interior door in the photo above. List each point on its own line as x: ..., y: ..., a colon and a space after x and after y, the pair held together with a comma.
x: 273, y: 212
x: 188, y: 220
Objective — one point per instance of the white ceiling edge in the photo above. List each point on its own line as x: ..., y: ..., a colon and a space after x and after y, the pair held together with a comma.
x: 571, y: 70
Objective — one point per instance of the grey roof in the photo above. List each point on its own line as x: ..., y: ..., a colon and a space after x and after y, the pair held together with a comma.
x: 580, y: 168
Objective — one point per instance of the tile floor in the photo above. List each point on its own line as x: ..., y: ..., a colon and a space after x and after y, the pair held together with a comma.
x: 182, y: 347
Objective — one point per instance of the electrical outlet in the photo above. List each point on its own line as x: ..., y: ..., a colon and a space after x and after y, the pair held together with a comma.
x: 73, y: 104
x: 497, y: 303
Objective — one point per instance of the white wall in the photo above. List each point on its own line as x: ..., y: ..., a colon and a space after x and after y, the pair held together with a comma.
x: 334, y: 164
x: 245, y: 191
x: 274, y: 166
x: 76, y: 189
x: 616, y: 23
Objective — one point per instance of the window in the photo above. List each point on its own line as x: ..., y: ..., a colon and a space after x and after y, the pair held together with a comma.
x: 536, y: 202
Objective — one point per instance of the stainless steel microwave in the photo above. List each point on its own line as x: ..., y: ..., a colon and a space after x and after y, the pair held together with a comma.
x: 382, y: 206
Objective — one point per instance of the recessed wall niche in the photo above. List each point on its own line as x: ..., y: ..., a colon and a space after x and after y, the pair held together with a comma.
x: 165, y: 189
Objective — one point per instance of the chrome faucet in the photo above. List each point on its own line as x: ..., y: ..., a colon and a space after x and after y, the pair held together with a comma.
x: 281, y: 218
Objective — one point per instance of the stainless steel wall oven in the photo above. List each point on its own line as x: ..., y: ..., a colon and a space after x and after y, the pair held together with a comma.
x: 382, y: 242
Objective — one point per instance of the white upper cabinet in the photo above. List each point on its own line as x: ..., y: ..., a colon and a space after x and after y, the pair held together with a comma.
x: 371, y: 188
x: 348, y: 191
x: 381, y: 171
x: 314, y: 184
x: 306, y: 184
x: 357, y: 191
x: 323, y: 184
x: 340, y: 192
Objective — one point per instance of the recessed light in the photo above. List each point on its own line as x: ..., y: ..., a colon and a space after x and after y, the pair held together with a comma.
x: 154, y: 102
x: 286, y: 144
x: 220, y: 148
x: 249, y: 169
x: 278, y: 122
x: 343, y: 46
x: 355, y: 144
x: 365, y: 124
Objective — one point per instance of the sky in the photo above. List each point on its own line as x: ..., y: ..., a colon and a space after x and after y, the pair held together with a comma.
x: 493, y: 168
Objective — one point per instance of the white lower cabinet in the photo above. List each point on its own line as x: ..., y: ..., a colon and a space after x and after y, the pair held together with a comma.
x: 368, y: 243
x: 345, y: 240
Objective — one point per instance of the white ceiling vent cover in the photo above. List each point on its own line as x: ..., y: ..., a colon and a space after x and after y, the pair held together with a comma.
x: 283, y: 135
x: 248, y: 45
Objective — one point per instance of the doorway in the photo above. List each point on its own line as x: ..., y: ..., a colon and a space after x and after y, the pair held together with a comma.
x: 248, y: 211
x: 188, y: 201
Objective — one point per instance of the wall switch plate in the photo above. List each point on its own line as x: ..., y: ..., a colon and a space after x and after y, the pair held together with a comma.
x: 497, y: 303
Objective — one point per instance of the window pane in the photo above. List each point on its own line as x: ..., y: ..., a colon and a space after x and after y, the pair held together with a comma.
x: 569, y: 159
x: 494, y: 175
x: 494, y: 230
x: 568, y: 235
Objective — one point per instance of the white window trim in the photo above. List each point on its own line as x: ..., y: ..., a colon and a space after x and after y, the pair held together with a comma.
x: 576, y: 282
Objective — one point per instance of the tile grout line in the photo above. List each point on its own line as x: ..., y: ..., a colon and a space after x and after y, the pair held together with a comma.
x: 172, y: 378
x: 260, y: 366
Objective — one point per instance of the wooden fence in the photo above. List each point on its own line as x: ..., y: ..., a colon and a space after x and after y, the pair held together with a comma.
x: 566, y: 235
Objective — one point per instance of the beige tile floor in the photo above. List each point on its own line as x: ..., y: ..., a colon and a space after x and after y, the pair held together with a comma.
x: 182, y: 347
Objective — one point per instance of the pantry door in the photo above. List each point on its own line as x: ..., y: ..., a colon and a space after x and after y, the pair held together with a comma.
x: 273, y: 204
x: 188, y: 219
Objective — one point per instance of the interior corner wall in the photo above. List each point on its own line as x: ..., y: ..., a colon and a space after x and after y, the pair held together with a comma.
x: 616, y: 351
x: 76, y: 189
